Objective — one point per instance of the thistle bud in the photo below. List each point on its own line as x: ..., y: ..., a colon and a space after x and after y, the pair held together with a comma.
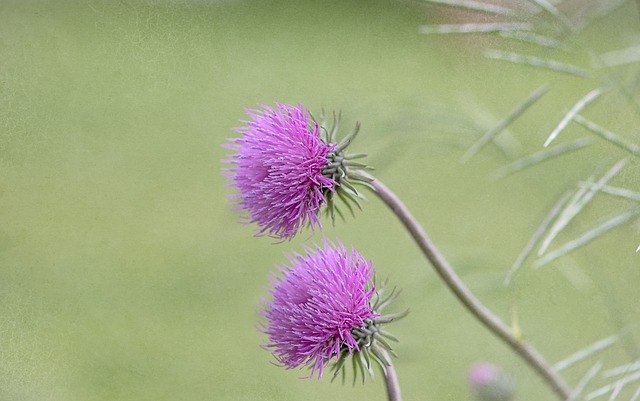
x: 489, y: 383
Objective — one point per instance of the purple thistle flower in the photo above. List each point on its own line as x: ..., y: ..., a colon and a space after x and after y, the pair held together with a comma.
x: 324, y: 309
x: 316, y: 304
x: 278, y: 170
x: 287, y: 167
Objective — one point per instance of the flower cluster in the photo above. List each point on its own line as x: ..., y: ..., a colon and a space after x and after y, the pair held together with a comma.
x: 325, y: 305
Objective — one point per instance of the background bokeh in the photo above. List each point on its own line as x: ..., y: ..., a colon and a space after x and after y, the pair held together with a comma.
x: 124, y: 274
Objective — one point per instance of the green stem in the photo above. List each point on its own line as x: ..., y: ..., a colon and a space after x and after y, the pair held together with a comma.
x: 527, y: 352
x: 391, y: 380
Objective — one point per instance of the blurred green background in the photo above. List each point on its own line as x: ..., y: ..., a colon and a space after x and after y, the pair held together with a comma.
x: 124, y: 274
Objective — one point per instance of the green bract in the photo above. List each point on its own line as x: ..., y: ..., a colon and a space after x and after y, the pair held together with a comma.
x: 342, y: 167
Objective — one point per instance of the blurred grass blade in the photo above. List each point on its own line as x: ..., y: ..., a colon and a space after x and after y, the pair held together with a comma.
x: 585, y: 352
x: 502, y: 124
x: 615, y: 191
x: 534, y: 38
x: 616, y: 391
x: 619, y: 57
x: 540, y: 157
x: 622, y: 370
x: 474, y: 6
x: 581, y: 104
x: 611, y: 387
x: 537, y: 62
x: 551, y: 9
x: 515, y: 323
x: 483, y: 120
x: 636, y: 395
x: 607, y: 135
x: 591, y: 373
x: 603, y: 9
x: 582, y: 197
x: 587, y: 237
x: 537, y: 235
x: 546, y: 6
x: 488, y: 27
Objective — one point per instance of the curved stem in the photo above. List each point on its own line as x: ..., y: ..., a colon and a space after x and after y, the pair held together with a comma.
x: 473, y: 305
x: 391, y: 380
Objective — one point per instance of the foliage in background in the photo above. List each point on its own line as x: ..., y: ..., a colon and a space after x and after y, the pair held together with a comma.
x: 541, y: 34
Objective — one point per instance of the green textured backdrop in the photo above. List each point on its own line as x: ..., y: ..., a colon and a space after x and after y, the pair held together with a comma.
x: 123, y: 272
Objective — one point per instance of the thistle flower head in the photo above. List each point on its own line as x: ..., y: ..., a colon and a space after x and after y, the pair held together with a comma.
x: 325, y: 307
x: 286, y: 168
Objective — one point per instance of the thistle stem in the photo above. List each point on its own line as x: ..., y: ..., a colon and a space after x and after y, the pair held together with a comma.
x: 391, y: 380
x: 527, y: 352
